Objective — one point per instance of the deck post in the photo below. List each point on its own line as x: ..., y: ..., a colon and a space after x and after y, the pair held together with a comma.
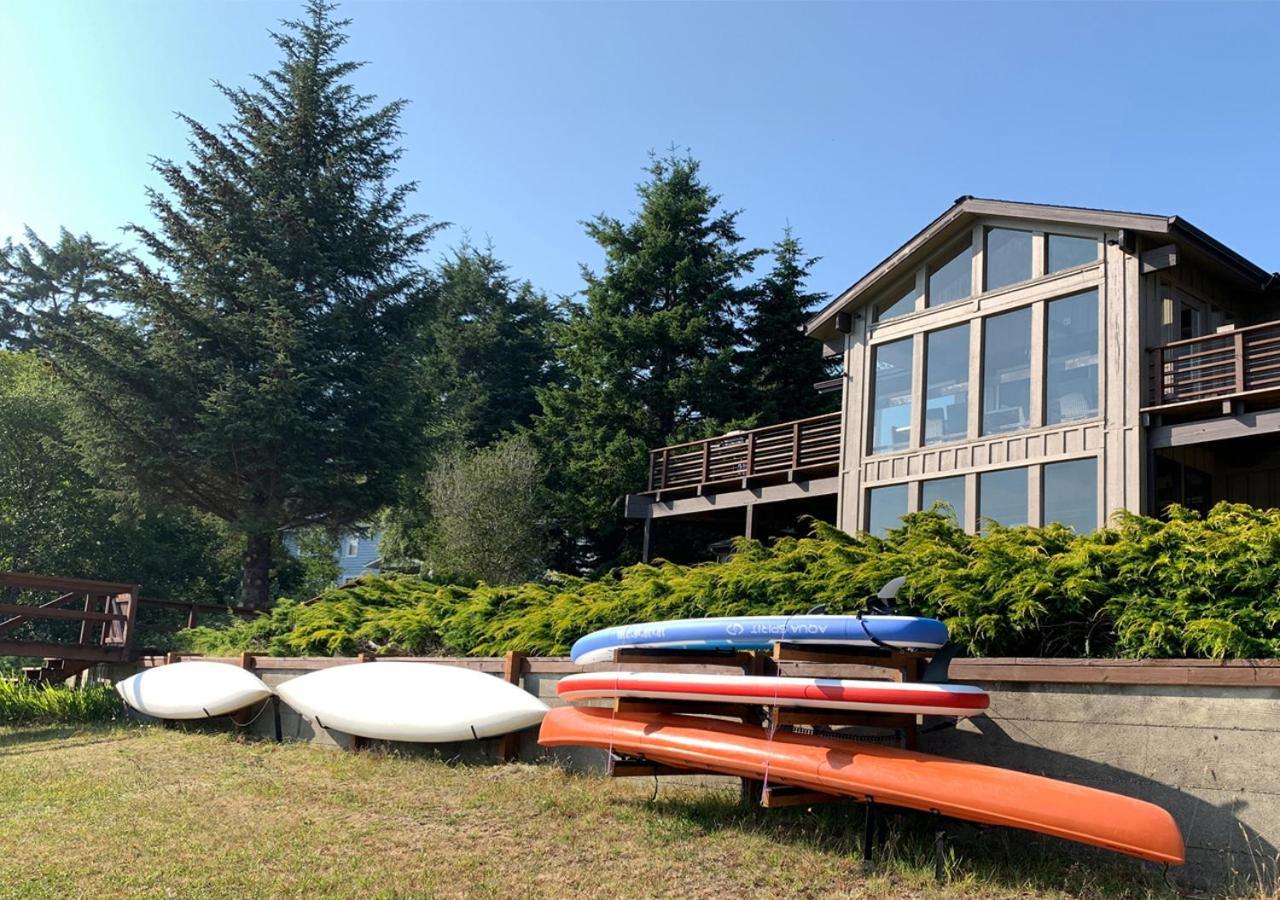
x: 749, y: 532
x: 1239, y: 349
x: 648, y: 537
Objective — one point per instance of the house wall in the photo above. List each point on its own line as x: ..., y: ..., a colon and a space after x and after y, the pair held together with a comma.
x: 1113, y: 437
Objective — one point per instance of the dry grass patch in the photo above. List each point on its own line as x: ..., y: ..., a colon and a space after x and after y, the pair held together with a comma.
x: 128, y: 811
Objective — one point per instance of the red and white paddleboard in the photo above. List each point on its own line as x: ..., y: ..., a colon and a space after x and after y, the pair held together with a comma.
x: 822, y: 693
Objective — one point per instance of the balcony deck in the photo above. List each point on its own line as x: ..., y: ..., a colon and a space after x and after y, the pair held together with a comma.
x: 808, y: 447
x: 1209, y: 373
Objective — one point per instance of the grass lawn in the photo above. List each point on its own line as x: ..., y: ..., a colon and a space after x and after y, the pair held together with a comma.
x: 126, y: 810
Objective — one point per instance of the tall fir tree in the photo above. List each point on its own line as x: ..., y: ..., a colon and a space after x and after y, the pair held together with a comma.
x: 490, y: 348
x: 490, y: 352
x: 265, y: 371
x: 779, y: 364
x: 649, y: 355
x: 42, y: 280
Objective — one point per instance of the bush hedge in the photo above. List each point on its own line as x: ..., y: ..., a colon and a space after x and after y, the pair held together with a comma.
x: 1191, y: 586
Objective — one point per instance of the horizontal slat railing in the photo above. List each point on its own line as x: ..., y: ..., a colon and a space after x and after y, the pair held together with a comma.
x: 1215, y: 366
x: 802, y: 444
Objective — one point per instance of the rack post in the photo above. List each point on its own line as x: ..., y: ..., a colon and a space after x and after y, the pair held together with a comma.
x: 512, y: 673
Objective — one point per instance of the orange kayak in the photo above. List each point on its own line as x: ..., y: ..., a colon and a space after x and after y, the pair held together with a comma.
x: 872, y: 772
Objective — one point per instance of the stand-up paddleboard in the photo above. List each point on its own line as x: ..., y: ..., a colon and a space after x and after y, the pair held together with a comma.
x: 760, y: 632
x: 866, y: 771
x: 821, y: 693
x: 196, y: 689
x: 404, y: 701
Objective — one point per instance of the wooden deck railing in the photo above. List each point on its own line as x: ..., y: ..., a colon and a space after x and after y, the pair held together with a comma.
x: 802, y: 445
x: 1216, y: 366
x: 107, y: 613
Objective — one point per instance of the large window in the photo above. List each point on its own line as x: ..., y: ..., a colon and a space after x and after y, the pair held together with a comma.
x: 1006, y: 372
x: 1063, y: 251
x: 951, y: 279
x: 891, y: 397
x: 898, y: 304
x: 1007, y: 257
x: 946, y: 403
x: 945, y: 490
x: 885, y: 508
x: 1071, y: 358
x: 1071, y: 494
x: 1002, y: 497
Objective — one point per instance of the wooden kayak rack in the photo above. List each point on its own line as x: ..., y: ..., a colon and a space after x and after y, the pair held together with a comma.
x: 784, y: 659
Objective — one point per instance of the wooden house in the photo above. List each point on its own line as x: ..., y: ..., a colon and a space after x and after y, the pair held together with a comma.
x: 1023, y: 363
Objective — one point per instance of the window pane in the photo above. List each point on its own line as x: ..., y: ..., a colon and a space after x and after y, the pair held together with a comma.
x: 946, y: 406
x: 945, y: 490
x: 951, y: 280
x: 891, y: 396
x: 1071, y: 494
x: 1007, y: 257
x: 1066, y: 251
x: 891, y: 309
x: 1071, y: 368
x: 885, y: 508
x: 1002, y: 496
x: 1006, y: 372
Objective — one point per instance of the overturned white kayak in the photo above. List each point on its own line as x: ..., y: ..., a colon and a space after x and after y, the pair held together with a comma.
x: 196, y: 689
x: 404, y: 701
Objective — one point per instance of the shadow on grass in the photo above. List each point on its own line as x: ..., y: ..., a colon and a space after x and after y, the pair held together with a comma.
x: 1012, y: 859
x: 48, y: 738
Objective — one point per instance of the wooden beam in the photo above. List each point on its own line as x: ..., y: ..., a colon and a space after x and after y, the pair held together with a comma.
x: 7, y: 624
x: 512, y: 673
x: 1165, y: 257
x: 50, y: 650
x: 44, y: 612
x: 53, y: 583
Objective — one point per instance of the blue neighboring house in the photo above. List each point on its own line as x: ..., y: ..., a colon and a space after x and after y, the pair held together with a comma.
x: 358, y: 555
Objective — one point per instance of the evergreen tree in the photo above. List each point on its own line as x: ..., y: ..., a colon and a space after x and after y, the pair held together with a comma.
x: 491, y: 348
x: 264, y: 370
x: 781, y: 365
x: 39, y: 279
x: 649, y: 356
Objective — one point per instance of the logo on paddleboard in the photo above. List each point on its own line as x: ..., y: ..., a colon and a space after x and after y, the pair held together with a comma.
x: 734, y: 629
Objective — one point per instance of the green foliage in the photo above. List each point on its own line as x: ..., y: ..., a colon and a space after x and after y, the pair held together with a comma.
x: 24, y: 703
x: 263, y: 369
x: 317, y: 560
x: 1189, y: 587
x: 649, y: 355
x: 486, y: 510
x: 781, y: 364
x: 490, y: 349
x: 55, y: 517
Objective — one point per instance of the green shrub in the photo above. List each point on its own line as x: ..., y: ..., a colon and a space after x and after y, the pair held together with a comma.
x: 1192, y: 586
x: 23, y: 703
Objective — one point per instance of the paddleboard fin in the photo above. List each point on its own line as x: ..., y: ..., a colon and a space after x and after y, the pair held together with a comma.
x: 939, y: 669
x: 883, y: 603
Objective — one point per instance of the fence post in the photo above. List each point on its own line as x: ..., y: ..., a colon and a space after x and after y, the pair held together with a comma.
x: 512, y: 673
x: 795, y: 445
x: 706, y: 461
x: 751, y: 454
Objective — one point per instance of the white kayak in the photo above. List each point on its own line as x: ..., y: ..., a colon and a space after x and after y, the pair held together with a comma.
x: 195, y: 689
x: 407, y: 701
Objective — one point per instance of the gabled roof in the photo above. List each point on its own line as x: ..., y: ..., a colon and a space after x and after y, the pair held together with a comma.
x: 968, y: 208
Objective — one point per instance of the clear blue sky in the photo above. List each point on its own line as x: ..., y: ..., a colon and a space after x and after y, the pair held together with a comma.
x: 855, y: 123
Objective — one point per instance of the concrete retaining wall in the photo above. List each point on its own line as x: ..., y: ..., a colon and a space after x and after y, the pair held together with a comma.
x: 1200, y: 739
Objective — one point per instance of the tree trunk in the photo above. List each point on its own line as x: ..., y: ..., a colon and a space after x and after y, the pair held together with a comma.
x: 255, y: 578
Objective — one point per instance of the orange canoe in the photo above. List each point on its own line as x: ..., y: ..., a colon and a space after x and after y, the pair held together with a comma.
x: 963, y: 790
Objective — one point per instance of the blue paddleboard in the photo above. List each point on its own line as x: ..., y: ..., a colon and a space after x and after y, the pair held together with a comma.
x: 761, y: 632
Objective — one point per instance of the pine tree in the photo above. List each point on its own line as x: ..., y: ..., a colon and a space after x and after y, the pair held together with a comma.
x: 780, y: 365
x: 264, y: 371
x: 491, y: 348
x: 43, y: 280
x: 649, y: 356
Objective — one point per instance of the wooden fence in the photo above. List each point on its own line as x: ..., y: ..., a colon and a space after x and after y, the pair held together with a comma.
x: 805, y: 445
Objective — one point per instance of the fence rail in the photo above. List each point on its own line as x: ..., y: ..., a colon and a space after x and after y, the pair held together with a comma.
x: 805, y: 444
x: 1217, y: 366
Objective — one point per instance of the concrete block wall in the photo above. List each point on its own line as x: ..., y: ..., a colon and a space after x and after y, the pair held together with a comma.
x: 1203, y: 741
